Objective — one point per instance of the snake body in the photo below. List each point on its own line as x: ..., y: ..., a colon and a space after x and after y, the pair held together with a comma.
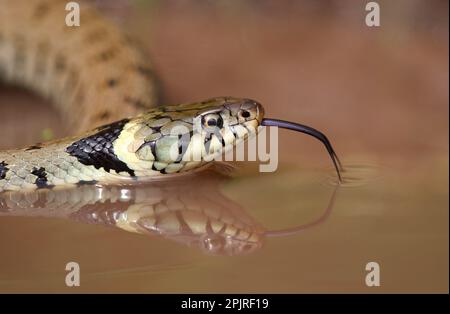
x: 99, y: 78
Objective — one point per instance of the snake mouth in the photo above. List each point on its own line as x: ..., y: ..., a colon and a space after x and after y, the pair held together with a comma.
x: 310, y: 131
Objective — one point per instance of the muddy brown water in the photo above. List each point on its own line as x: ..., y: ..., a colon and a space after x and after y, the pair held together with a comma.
x: 380, y: 95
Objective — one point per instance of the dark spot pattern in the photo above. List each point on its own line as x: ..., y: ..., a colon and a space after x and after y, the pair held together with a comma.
x: 3, y: 170
x: 41, y: 180
x: 97, y: 150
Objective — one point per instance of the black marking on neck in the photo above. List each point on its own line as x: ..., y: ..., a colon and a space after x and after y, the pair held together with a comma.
x: 41, y: 180
x: 3, y: 170
x: 97, y: 150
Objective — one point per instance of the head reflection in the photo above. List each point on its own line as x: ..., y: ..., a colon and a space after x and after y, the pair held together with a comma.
x: 190, y: 210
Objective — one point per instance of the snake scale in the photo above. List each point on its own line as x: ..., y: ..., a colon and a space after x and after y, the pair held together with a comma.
x: 106, y: 89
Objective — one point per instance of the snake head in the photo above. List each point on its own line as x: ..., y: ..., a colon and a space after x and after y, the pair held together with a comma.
x: 224, y: 123
x: 182, y: 137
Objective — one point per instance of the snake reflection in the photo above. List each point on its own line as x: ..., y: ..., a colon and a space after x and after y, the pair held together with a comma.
x: 188, y: 210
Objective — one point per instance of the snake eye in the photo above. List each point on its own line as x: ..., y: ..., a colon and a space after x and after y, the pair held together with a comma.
x: 245, y: 114
x: 212, y: 120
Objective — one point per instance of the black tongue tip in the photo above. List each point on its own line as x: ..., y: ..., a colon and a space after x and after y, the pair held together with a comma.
x: 310, y: 131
